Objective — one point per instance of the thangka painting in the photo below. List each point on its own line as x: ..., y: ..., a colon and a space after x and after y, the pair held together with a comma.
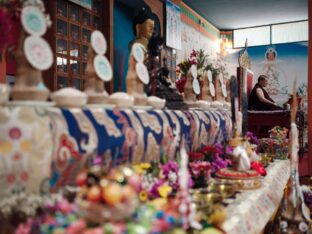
x: 281, y: 63
x: 173, y: 26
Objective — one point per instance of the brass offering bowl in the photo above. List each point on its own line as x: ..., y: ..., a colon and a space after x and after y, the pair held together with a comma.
x: 226, y: 190
x: 207, y: 200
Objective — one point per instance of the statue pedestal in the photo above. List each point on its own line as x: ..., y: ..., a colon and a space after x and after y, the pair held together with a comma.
x: 189, y: 95
x: 96, y: 92
x: 29, y: 84
x: 29, y: 93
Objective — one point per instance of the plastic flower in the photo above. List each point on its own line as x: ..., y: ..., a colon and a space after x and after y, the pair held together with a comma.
x: 258, y: 167
x: 193, y: 54
x: 168, y: 167
x: 141, y: 168
x: 180, y: 84
x: 164, y: 190
x: 252, y: 138
x: 219, y: 163
x: 194, y: 156
x: 143, y: 196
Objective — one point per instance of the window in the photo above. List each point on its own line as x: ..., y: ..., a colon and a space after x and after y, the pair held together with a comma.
x: 271, y: 34
x: 74, y: 25
x: 291, y: 32
x: 256, y: 36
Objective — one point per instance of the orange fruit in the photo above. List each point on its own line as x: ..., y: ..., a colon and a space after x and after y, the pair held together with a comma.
x: 94, y: 194
x: 112, y: 193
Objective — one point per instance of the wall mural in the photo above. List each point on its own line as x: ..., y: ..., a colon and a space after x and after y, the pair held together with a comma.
x: 281, y: 63
x: 192, y: 39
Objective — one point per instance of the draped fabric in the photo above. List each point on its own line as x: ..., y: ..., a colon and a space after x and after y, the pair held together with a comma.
x: 117, y: 136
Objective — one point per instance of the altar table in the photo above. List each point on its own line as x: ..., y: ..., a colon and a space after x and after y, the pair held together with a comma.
x: 252, y: 209
x: 48, y: 146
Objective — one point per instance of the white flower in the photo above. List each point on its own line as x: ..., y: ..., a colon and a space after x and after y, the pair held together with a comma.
x: 172, y: 177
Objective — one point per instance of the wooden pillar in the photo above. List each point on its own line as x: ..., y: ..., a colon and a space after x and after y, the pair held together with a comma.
x: 108, y: 31
x: 310, y: 89
x: 2, y: 70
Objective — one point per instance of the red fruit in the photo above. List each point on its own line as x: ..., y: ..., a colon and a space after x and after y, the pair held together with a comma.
x: 81, y: 179
x: 94, y: 194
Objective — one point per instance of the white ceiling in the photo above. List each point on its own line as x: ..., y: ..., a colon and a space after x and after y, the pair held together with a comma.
x: 233, y: 14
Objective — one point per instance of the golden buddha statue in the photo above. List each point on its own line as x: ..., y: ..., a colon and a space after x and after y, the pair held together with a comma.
x: 143, y: 27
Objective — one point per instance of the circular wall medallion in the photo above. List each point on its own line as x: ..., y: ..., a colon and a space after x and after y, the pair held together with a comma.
x: 212, y: 89
x: 142, y: 72
x: 209, y: 76
x: 33, y: 21
x: 103, y: 68
x: 196, y: 86
x: 224, y: 92
x: 38, y: 53
x: 138, y: 52
x: 194, y: 71
x: 98, y: 42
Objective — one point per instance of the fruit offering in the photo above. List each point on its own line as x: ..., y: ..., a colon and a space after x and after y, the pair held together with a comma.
x: 106, y: 196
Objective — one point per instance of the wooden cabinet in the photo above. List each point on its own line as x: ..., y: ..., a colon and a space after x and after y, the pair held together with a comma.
x: 69, y: 38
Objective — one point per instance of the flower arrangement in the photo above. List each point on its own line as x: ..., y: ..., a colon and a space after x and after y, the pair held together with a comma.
x: 158, y: 180
x: 182, y: 70
x: 55, y: 219
x: 23, y: 206
x: 200, y: 172
x: 184, y: 66
x: 277, y: 144
x: 216, y: 155
x: 278, y: 133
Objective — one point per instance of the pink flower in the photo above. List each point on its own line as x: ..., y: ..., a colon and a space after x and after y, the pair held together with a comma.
x: 76, y: 227
x: 181, y: 84
x: 11, y: 178
x: 94, y: 231
x: 65, y: 206
x: 193, y: 54
x: 24, y: 228
x: 24, y: 176
x: 15, y: 133
x: 193, y: 62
